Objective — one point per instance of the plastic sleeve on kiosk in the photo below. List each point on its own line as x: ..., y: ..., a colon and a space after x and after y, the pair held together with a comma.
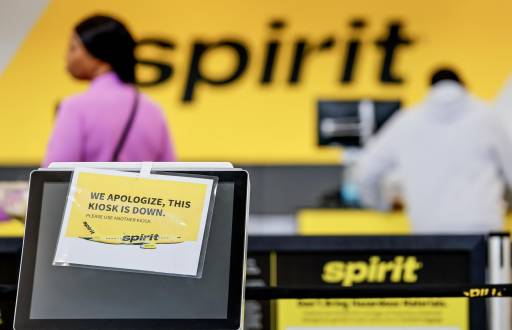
x: 137, y: 222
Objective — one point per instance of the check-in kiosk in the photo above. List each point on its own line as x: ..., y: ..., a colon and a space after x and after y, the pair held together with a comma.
x: 59, y: 297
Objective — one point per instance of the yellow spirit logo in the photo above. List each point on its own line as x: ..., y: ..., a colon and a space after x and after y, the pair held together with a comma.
x: 146, y: 241
x: 399, y: 270
x: 484, y: 292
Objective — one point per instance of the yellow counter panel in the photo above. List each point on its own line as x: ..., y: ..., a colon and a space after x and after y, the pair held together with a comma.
x: 358, y: 222
x: 12, y: 228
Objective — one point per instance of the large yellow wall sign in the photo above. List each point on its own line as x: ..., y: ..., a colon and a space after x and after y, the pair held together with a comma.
x: 240, y: 80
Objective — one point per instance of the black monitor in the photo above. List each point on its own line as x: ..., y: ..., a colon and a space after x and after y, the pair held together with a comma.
x: 349, y: 123
x: 51, y: 297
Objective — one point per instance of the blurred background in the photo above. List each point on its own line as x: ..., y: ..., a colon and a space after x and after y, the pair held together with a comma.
x: 259, y: 102
x: 291, y: 91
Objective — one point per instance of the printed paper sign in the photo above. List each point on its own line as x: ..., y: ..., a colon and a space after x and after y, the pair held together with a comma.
x: 122, y: 220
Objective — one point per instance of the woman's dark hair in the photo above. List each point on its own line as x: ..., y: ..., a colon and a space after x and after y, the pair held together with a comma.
x: 445, y: 74
x: 109, y: 40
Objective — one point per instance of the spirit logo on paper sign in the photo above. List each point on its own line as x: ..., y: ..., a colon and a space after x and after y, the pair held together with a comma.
x: 135, y: 210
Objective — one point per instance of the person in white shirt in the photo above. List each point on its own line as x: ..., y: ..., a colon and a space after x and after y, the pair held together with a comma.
x: 453, y: 157
x: 503, y: 102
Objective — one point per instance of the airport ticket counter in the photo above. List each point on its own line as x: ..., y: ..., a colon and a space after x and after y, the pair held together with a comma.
x: 349, y: 262
x: 366, y: 261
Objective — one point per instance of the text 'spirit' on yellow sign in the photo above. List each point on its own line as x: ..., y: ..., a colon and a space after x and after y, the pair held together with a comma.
x: 266, y: 66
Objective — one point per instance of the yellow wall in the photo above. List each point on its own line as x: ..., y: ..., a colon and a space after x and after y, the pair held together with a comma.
x: 246, y: 121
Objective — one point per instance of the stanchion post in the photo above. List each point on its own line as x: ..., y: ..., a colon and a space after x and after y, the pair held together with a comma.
x: 507, y: 302
x: 498, y: 271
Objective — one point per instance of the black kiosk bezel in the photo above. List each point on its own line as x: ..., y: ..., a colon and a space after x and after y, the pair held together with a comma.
x: 232, y: 321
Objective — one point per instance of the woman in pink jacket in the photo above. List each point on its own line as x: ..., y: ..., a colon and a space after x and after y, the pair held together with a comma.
x: 111, y: 121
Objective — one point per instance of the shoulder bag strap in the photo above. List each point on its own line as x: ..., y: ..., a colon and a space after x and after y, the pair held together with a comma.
x: 127, y: 128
